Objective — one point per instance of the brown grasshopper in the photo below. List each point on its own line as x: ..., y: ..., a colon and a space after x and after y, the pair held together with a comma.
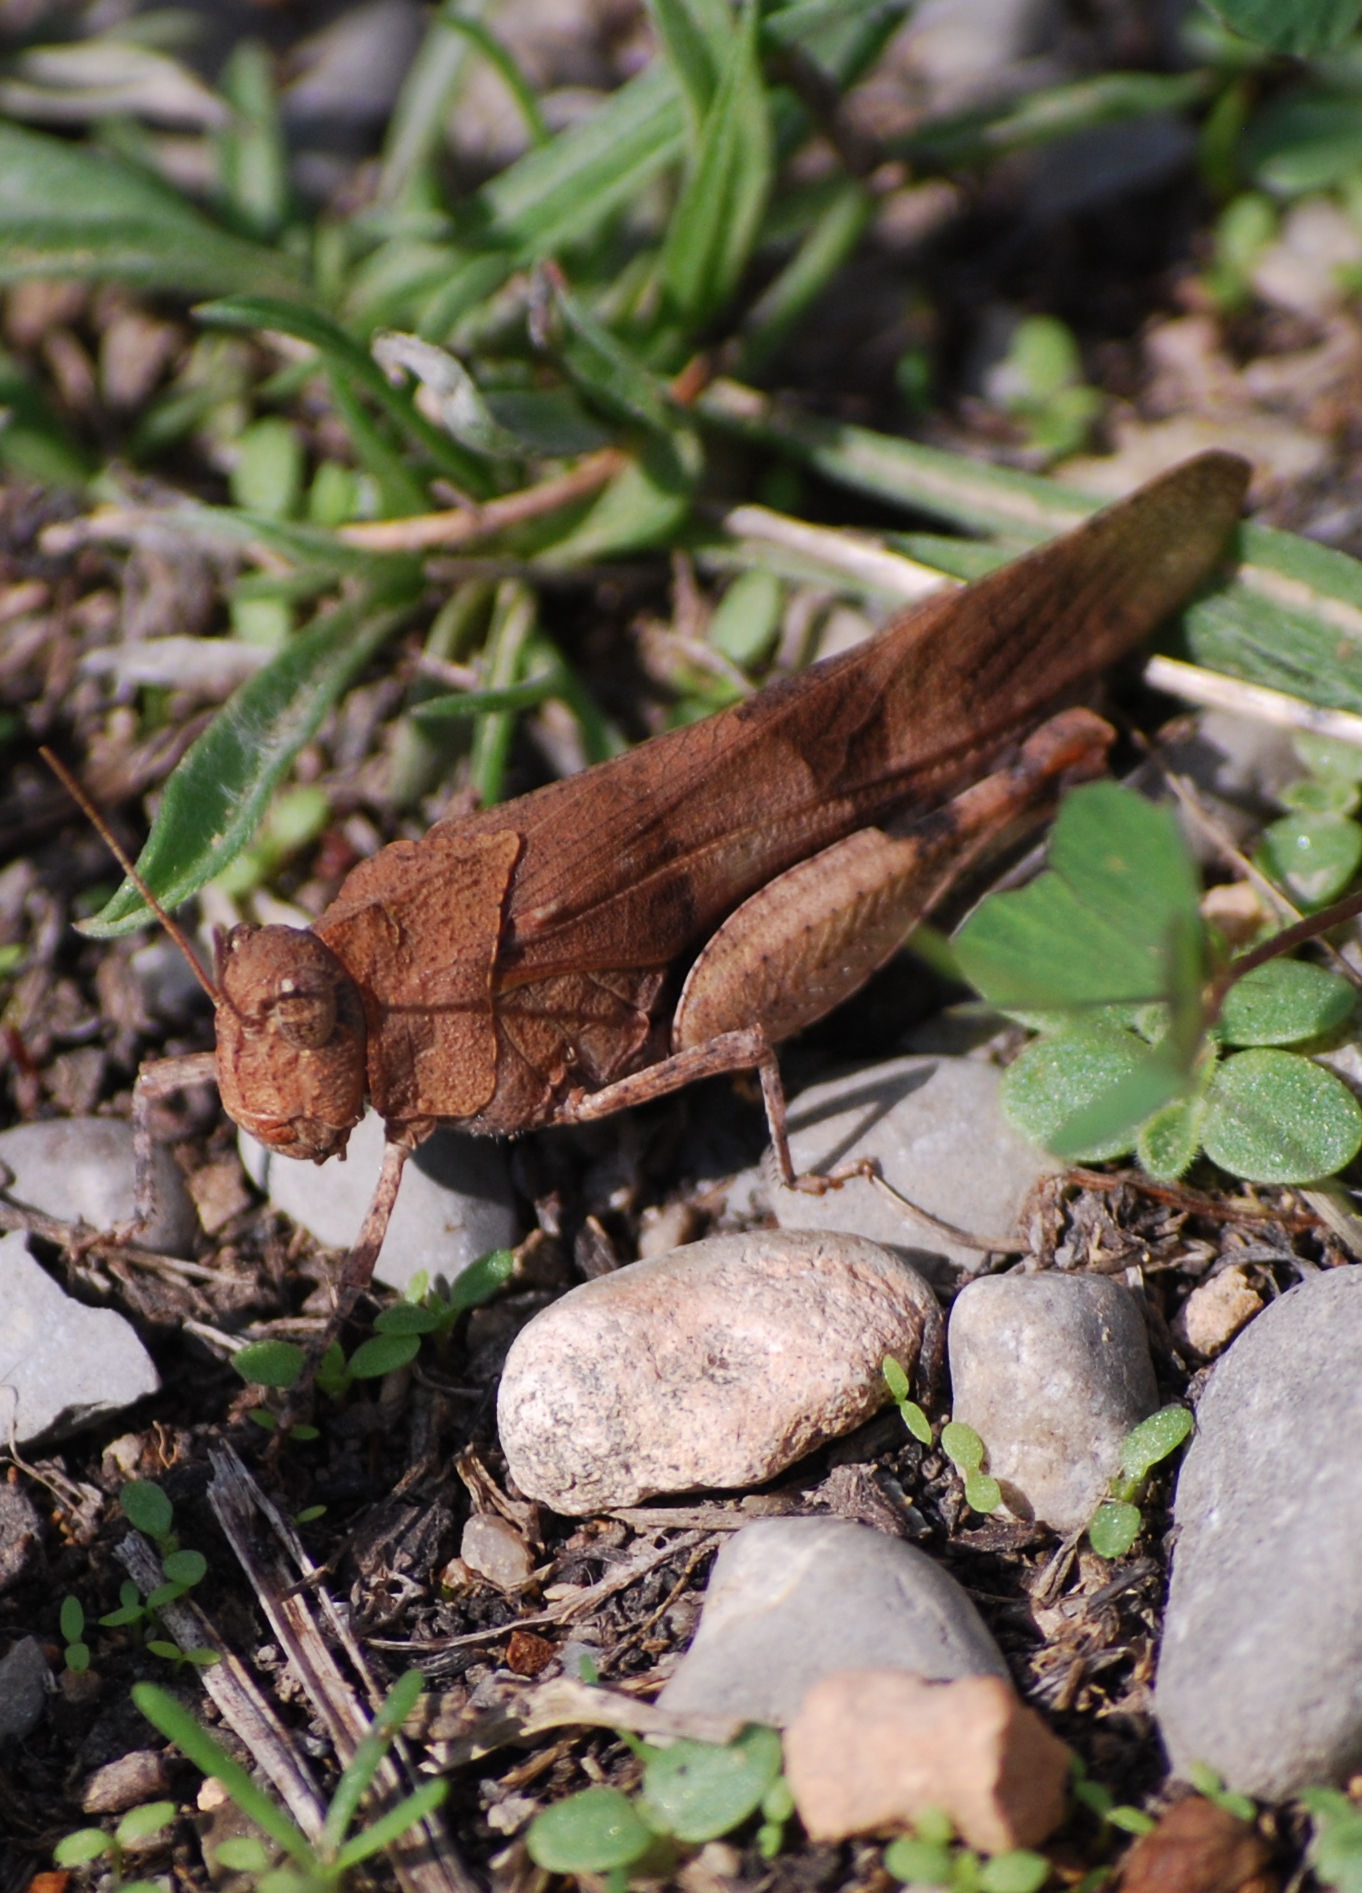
x: 517, y: 967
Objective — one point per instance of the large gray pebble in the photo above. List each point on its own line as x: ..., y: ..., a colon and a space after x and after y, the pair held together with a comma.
x: 62, y: 1365
x: 81, y: 1168
x: 1260, y: 1673
x: 455, y: 1203
x: 24, y: 1677
x: 792, y: 1599
x: 715, y: 1365
x: 1052, y: 1372
x: 937, y: 1131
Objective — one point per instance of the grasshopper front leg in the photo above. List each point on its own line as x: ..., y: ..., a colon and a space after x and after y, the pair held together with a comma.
x: 156, y: 1080
x: 813, y: 936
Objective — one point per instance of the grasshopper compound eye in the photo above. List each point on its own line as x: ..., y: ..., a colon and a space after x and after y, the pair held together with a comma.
x: 290, y: 1028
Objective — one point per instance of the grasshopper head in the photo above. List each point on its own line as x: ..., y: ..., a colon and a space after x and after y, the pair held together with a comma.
x: 290, y: 1029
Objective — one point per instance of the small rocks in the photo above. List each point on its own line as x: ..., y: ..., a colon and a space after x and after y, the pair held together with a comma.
x: 871, y: 1749
x: 1260, y: 1674
x: 81, y: 1169
x: 717, y: 1365
x: 493, y: 1548
x: 1215, y: 1311
x: 62, y: 1366
x: 791, y: 1600
x: 138, y: 1776
x: 1198, y: 1847
x: 937, y: 1131
x: 24, y: 1678
x: 454, y: 1205
x: 1052, y: 1371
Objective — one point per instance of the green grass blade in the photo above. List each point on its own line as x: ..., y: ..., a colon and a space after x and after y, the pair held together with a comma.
x: 714, y: 227
x: 553, y: 196
x: 66, y: 210
x: 692, y: 56
x: 1040, y: 117
x: 214, y: 800
x: 481, y: 702
x: 392, y: 1825
x: 347, y: 359
x: 504, y: 65
x: 416, y: 130
x: 513, y: 620
x: 824, y: 250
x: 189, y: 1735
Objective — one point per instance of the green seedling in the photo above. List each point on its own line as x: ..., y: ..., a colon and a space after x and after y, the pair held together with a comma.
x: 435, y: 1311
x: 1243, y: 231
x: 1040, y: 383
x: 1118, y: 1520
x: 147, y: 1508
x: 138, y: 1825
x: 1099, y: 1800
x: 1335, y: 1851
x: 1210, y: 1785
x: 913, y: 1416
x: 72, y: 1623
x: 932, y: 1856
x: 1150, y: 1037
x: 293, y: 1863
x: 691, y: 1792
x: 965, y: 1450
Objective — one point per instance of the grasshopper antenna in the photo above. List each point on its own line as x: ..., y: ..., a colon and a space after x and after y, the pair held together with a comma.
x: 120, y: 855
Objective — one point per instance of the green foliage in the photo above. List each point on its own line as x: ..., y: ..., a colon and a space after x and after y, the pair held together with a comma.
x: 146, y: 1506
x: 931, y: 1856
x: 913, y: 1417
x: 965, y: 1450
x: 1336, y: 1843
x: 1099, y: 1800
x: 138, y: 1826
x: 1040, y: 382
x: 1118, y: 1521
x: 72, y: 1623
x: 1291, y: 26
x: 1107, y: 953
x: 691, y: 1792
x: 323, y: 1866
x: 1208, y: 1783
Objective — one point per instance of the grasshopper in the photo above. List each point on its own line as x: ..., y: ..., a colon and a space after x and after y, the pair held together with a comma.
x: 676, y: 912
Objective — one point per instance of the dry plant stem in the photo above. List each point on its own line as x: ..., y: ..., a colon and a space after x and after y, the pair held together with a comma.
x: 462, y: 525
x: 424, y: 1858
x: 233, y: 1691
x: 854, y: 553
x: 1194, y: 1201
x: 1217, y: 691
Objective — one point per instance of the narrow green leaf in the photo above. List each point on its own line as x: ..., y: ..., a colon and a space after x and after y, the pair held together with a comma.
x: 416, y: 129
x: 87, y: 1843
x: 481, y: 1279
x: 693, y: 57
x: 1042, y: 115
x: 145, y: 1505
x: 1115, y: 1528
x: 595, y: 1831
x: 513, y: 621
x: 214, y: 800
x: 643, y: 506
x: 66, y: 210
x: 1154, y: 1439
x: 252, y: 158
x: 465, y: 703
x: 270, y: 1363
x: 1302, y: 27
x: 385, y: 1828
x: 895, y: 1379
x: 608, y: 372
x: 189, y: 1735
x: 72, y: 1619
x: 1284, y: 1002
x: 1132, y: 1820
x: 697, y: 1791
x: 714, y: 226
x: 463, y: 412
x: 406, y: 1317
x: 822, y: 253
x: 346, y: 358
x: 962, y: 1446
x: 1275, y: 1117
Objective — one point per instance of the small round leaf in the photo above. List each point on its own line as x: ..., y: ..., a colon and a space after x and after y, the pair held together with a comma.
x: 186, y: 1568
x: 147, y: 1507
x: 1313, y: 856
x: 1170, y: 1139
x: 982, y: 1492
x: 935, y: 1825
x: 269, y: 1363
x: 384, y: 1354
x: 1328, y: 758
x: 1017, y: 1872
x: 962, y: 1446
x: 405, y: 1317
x: 591, y: 1832
x: 1313, y: 796
x: 78, y: 1658
x: 1153, y: 1439
x: 142, y: 1822
x: 1056, y: 1078
x: 698, y: 1790
x: 88, y: 1843
x: 72, y: 1619
x: 1114, y: 1529
x: 1284, y: 1002
x: 243, y: 1855
x: 895, y: 1379
x: 1132, y: 1820
x: 1275, y: 1117
x: 918, y: 1862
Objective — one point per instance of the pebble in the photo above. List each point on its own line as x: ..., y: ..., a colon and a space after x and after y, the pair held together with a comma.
x: 718, y: 1364
x: 1198, y: 1847
x: 24, y: 1678
x: 138, y: 1776
x: 63, y: 1366
x: 21, y: 1534
x: 937, y: 1131
x: 790, y: 1600
x: 1260, y: 1674
x: 455, y: 1203
x: 81, y: 1168
x: 871, y: 1749
x: 1215, y: 1311
x: 1052, y: 1371
x: 493, y: 1548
